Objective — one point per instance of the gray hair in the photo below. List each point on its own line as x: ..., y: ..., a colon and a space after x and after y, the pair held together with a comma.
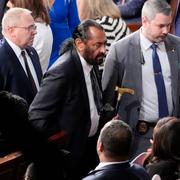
x: 12, y: 17
x: 152, y: 7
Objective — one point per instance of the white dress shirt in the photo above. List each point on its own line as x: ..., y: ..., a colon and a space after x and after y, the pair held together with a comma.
x: 93, y: 110
x: 102, y: 164
x: 149, y: 105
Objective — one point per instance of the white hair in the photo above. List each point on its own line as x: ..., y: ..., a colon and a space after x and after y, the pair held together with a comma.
x: 12, y: 16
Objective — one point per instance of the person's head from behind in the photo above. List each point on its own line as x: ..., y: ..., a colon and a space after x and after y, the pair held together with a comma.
x: 156, y: 20
x: 14, y: 110
x: 18, y: 26
x: 162, y: 122
x: 114, y: 141
x: 90, y: 40
x: 166, y: 140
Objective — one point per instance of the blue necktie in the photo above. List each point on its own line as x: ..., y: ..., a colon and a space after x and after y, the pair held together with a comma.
x: 159, y: 81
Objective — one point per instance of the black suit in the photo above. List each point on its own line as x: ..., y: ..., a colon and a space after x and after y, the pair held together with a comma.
x: 62, y: 104
x: 121, y: 171
x: 12, y: 75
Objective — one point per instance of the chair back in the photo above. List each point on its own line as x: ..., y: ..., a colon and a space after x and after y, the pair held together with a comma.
x: 12, y: 166
x: 140, y: 159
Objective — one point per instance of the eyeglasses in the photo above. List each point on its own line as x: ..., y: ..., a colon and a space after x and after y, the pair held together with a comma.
x: 29, y: 28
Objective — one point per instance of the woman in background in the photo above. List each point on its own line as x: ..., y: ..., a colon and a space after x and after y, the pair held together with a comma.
x: 64, y: 18
x: 164, y: 158
x: 43, y: 39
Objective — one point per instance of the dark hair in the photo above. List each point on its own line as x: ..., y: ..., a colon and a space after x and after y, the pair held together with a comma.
x: 166, y: 141
x: 82, y: 30
x: 11, y: 104
x: 116, y: 137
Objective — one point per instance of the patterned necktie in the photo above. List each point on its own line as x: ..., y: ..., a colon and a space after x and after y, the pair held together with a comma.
x: 97, y: 93
x: 159, y: 81
x: 30, y: 77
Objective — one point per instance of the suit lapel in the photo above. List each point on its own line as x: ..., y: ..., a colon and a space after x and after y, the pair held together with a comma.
x: 137, y: 59
x: 14, y: 60
x: 82, y: 81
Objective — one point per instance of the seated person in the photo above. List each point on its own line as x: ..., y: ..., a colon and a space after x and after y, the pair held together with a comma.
x: 18, y: 134
x: 113, y: 149
x: 164, y: 158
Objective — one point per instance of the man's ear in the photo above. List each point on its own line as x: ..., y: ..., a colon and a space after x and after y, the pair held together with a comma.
x: 100, y: 147
x: 10, y: 31
x: 144, y: 20
x: 79, y: 44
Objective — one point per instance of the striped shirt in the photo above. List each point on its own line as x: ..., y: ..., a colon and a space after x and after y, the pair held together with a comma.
x: 115, y: 29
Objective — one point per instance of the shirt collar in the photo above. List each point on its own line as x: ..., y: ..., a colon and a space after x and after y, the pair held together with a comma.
x: 102, y: 164
x: 86, y: 67
x: 15, y: 48
x: 146, y: 43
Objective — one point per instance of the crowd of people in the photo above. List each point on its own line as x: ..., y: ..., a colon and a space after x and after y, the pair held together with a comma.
x: 86, y: 95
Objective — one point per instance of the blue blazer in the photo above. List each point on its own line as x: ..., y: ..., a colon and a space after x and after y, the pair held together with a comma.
x: 131, y: 10
x: 121, y: 171
x: 12, y: 75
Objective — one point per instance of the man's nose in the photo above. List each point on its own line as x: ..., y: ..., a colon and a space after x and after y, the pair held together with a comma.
x: 166, y: 29
x: 103, y: 49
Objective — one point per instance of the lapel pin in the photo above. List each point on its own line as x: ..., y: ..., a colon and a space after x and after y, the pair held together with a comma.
x: 173, y: 49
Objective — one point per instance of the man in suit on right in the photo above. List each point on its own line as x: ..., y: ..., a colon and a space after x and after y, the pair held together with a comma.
x: 147, y: 61
x: 113, y: 149
x: 20, y: 70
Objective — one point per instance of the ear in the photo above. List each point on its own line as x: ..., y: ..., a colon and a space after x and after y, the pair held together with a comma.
x: 79, y: 44
x: 100, y: 147
x: 11, y: 31
x: 144, y: 20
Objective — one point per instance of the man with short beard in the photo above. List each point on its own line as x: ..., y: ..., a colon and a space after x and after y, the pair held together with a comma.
x: 66, y: 100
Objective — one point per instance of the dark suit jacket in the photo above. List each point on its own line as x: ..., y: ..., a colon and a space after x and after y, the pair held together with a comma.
x: 12, y: 75
x: 122, y: 171
x: 62, y: 104
x: 131, y: 10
